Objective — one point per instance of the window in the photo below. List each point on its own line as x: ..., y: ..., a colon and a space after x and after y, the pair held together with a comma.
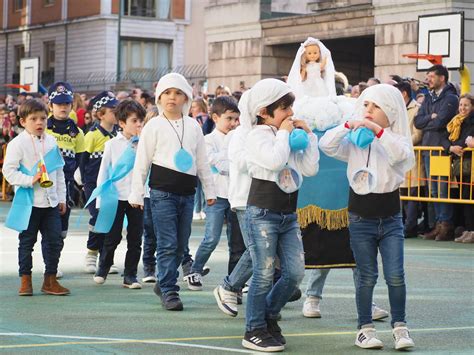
x: 145, y: 55
x: 19, y: 53
x: 48, y: 2
x: 18, y: 5
x: 49, y: 54
x: 148, y: 8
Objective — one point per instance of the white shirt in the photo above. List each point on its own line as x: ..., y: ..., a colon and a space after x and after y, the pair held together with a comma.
x: 267, y: 153
x: 113, y: 150
x: 386, y: 154
x: 159, y: 144
x: 239, y: 179
x: 216, y: 147
x: 24, y: 149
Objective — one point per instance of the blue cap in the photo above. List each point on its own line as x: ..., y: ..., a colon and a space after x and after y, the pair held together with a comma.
x: 104, y: 99
x: 60, y: 93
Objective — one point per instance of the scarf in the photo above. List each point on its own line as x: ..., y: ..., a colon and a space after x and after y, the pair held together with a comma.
x: 454, y: 127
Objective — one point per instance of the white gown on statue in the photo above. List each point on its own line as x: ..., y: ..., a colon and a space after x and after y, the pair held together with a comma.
x: 314, y: 84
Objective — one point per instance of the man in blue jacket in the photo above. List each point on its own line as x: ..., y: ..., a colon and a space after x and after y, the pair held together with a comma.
x: 438, y: 108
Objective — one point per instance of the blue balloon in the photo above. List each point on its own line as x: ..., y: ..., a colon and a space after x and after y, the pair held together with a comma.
x: 299, y: 140
x: 183, y: 160
x: 361, y: 137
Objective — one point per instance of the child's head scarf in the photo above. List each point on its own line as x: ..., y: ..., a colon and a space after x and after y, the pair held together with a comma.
x: 176, y: 81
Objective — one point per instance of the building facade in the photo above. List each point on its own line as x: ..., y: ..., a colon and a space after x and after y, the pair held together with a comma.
x: 253, y: 39
x: 79, y: 41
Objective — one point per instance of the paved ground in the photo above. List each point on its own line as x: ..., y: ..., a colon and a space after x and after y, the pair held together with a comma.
x: 110, y: 319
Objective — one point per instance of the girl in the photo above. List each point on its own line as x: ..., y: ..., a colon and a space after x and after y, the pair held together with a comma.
x: 173, y: 151
x: 270, y: 215
x: 313, y: 72
x: 458, y: 129
x: 375, y: 220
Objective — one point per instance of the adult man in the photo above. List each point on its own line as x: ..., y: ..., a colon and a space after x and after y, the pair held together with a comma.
x: 437, y: 110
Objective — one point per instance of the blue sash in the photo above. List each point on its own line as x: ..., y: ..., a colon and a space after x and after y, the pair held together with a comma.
x: 19, y: 215
x: 108, y: 192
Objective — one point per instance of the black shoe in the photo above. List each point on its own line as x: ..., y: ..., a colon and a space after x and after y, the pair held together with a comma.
x: 411, y: 233
x: 274, y: 329
x: 171, y: 301
x: 194, y: 281
x: 131, y: 282
x: 295, y: 296
x: 261, y: 340
x: 205, y: 270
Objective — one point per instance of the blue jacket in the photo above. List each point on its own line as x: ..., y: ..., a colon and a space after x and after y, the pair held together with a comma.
x: 445, y: 106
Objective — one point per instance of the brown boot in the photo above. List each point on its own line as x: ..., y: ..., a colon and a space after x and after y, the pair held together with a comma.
x: 26, y: 289
x: 446, y: 233
x: 432, y: 235
x: 52, y: 287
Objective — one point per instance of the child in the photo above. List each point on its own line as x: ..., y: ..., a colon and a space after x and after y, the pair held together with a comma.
x: 375, y: 220
x: 225, y: 114
x: 36, y: 208
x: 313, y: 72
x: 69, y: 138
x: 172, y: 150
x: 94, y: 141
x: 118, y: 154
x: 271, y: 212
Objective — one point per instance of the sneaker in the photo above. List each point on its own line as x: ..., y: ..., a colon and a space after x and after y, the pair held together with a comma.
x: 226, y: 301
x: 311, y: 307
x: 295, y: 296
x: 367, y: 339
x: 205, y: 270
x: 171, y: 301
x: 274, y: 329
x: 149, y: 274
x: 402, y: 339
x: 261, y: 340
x: 100, y: 276
x: 203, y: 216
x: 240, y: 297
x: 194, y: 282
x: 378, y: 313
x: 131, y: 282
x: 245, y: 289
x: 197, y: 216
x: 59, y: 274
x: 113, y: 270
x: 91, y: 261
x: 186, y: 267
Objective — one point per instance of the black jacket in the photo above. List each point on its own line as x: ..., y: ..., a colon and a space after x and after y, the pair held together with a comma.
x: 467, y: 129
x: 445, y: 106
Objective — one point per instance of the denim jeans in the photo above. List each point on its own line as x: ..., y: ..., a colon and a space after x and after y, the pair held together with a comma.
x: 134, y: 239
x: 242, y: 272
x: 48, y: 222
x: 215, y: 216
x: 443, y: 211
x: 272, y: 234
x: 199, y: 200
x: 172, y: 216
x: 237, y: 246
x: 95, y: 240
x: 149, y: 239
x: 368, y: 236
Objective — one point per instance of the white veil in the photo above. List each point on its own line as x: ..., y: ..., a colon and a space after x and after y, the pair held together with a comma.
x: 390, y: 100
x: 294, y: 77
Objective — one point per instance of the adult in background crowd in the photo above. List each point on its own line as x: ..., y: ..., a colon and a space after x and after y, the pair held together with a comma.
x: 438, y: 108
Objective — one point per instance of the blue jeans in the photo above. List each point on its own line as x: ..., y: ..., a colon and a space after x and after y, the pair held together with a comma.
x: 272, y: 234
x: 172, y: 216
x: 215, y: 216
x: 199, y: 201
x: 243, y: 270
x: 95, y: 240
x: 149, y: 239
x: 368, y: 236
x: 443, y: 211
x: 48, y: 222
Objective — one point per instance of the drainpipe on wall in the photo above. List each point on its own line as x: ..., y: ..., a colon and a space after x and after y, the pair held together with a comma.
x: 119, y: 46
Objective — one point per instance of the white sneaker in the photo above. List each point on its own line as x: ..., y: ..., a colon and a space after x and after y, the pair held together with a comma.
x: 113, y: 270
x: 99, y: 280
x: 367, y: 339
x: 378, y: 313
x: 402, y: 339
x: 226, y: 301
x: 91, y: 261
x: 311, y: 307
x: 194, y: 282
x: 197, y: 216
x: 59, y: 274
x: 203, y: 215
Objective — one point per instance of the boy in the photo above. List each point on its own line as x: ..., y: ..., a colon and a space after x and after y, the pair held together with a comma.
x: 104, y: 105
x: 172, y: 152
x: 69, y: 138
x: 118, y: 152
x: 225, y: 114
x: 36, y: 208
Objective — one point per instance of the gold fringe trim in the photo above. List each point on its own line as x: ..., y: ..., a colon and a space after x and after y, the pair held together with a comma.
x: 327, y: 219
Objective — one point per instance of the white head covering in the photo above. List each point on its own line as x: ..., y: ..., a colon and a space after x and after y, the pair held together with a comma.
x: 294, y: 77
x: 177, y: 81
x: 390, y: 100
x: 263, y: 93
